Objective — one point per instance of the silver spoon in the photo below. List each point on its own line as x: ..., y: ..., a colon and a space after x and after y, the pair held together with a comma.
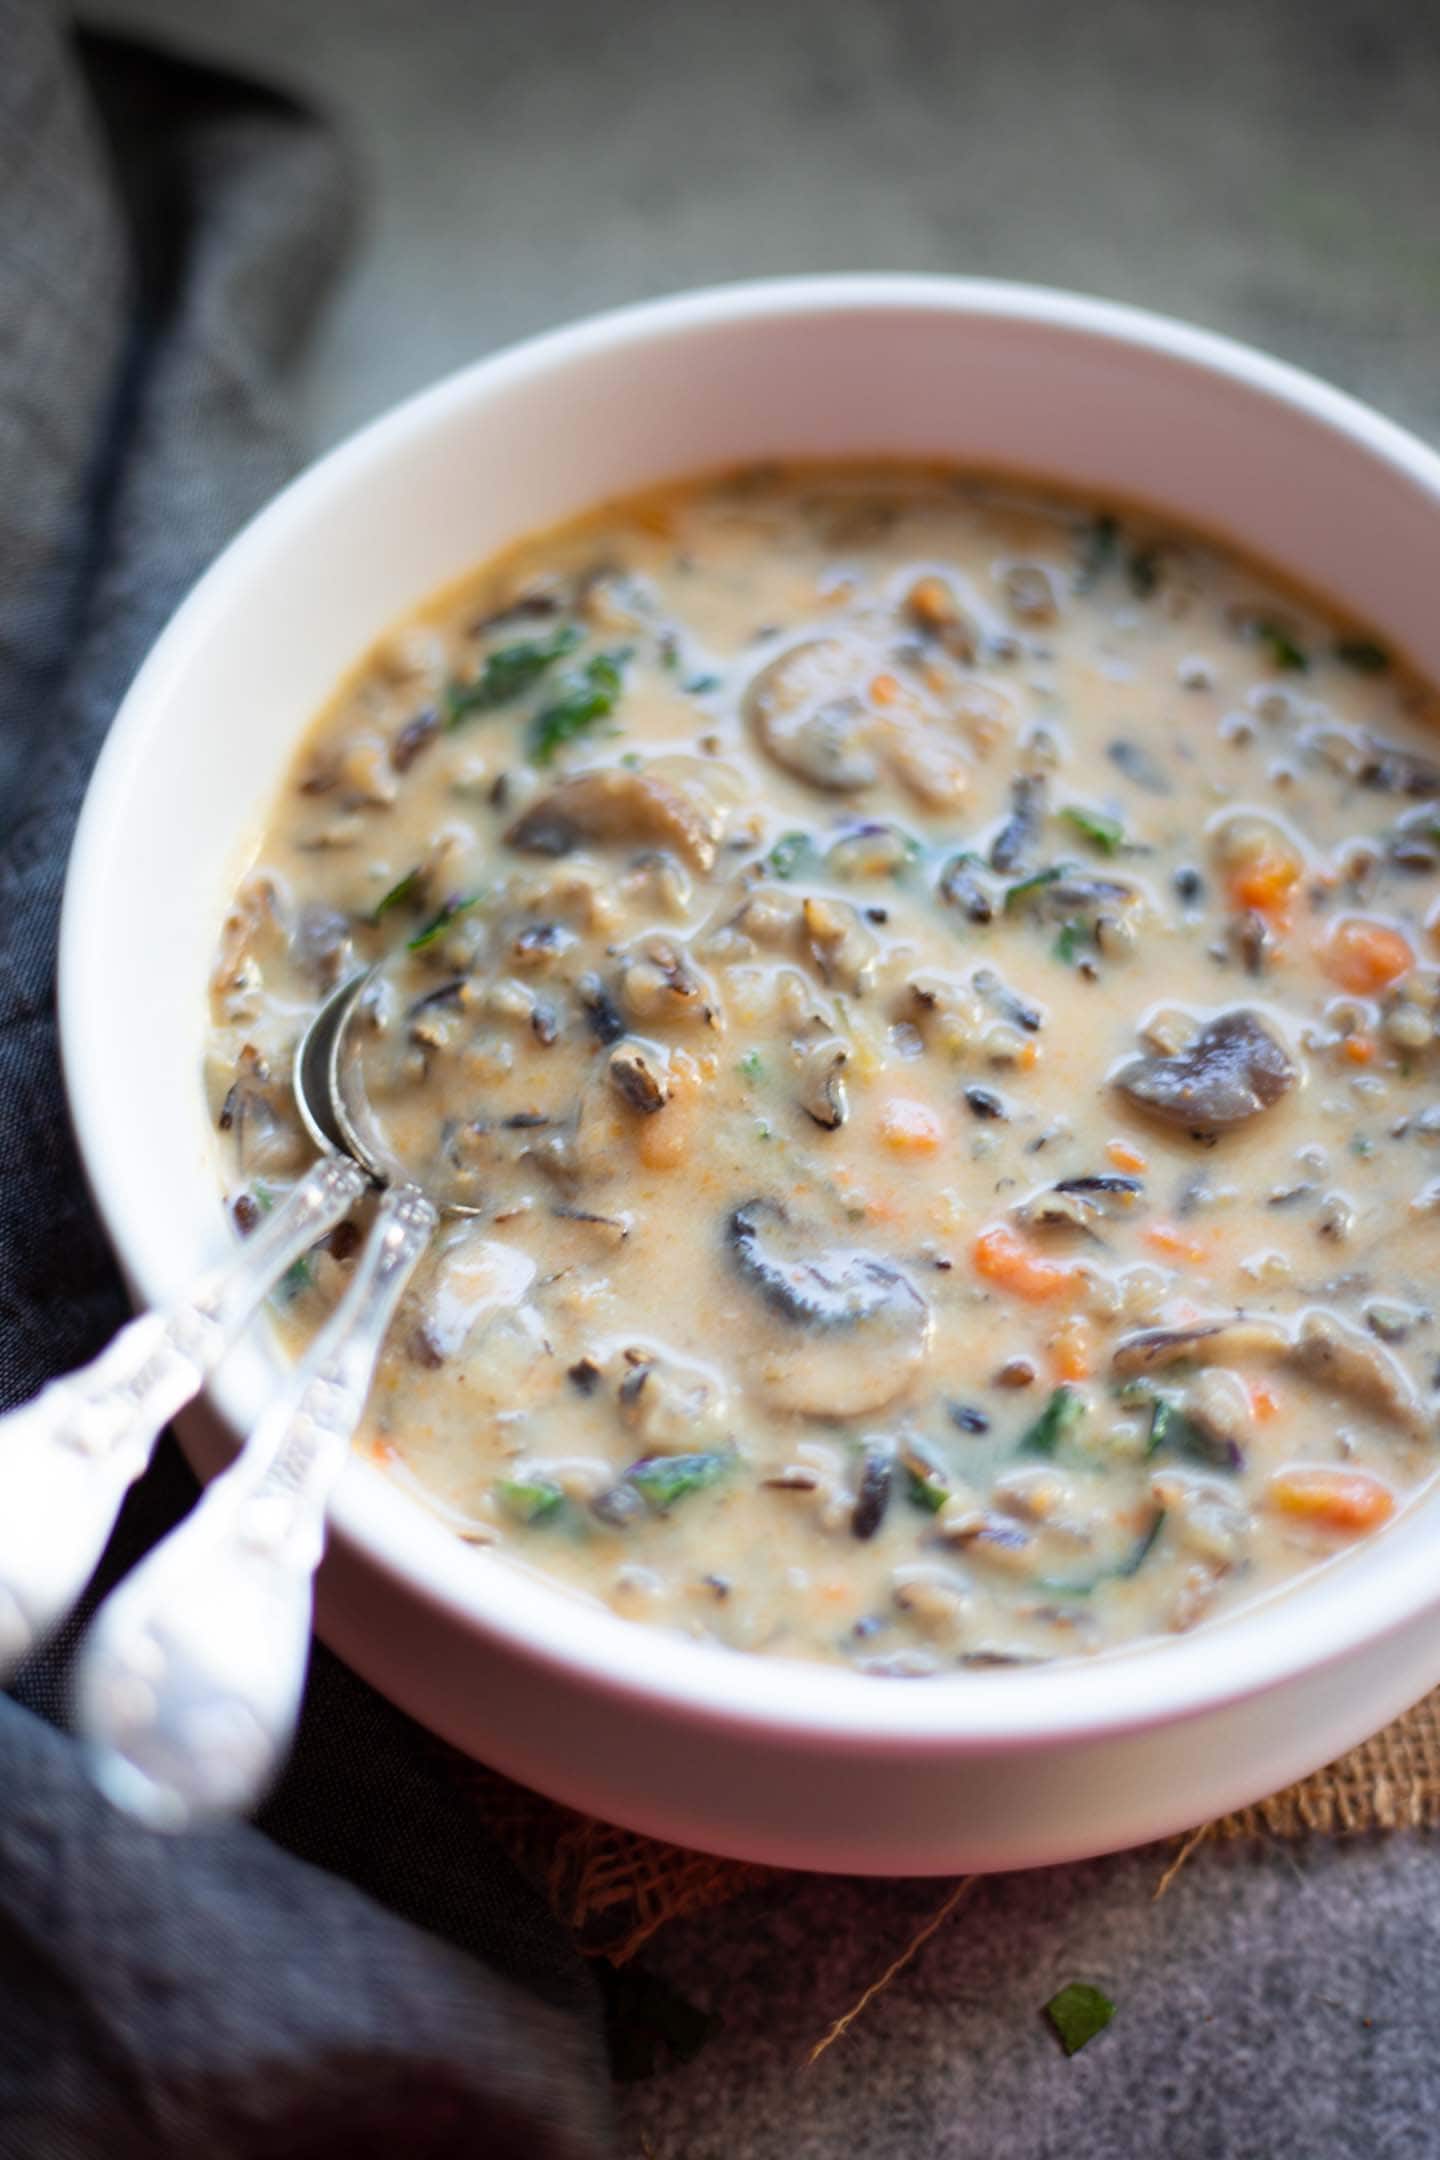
x: 188, y: 1685
x: 69, y: 1456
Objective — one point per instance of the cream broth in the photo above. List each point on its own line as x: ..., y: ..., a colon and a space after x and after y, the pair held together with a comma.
x: 930, y: 996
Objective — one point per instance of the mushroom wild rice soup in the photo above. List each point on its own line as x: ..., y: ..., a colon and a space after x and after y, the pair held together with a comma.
x: 930, y: 994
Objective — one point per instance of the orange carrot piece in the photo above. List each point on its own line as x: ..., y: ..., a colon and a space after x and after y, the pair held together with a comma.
x: 1006, y: 1260
x: 1072, y: 1349
x: 1174, y: 1244
x: 1364, y: 956
x: 884, y: 689
x: 1264, y: 1402
x: 1266, y: 884
x: 1125, y: 1157
x: 1359, y: 1049
x: 910, y: 1127
x: 1336, y: 1499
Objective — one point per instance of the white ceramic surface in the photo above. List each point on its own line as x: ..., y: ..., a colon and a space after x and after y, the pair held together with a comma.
x: 762, y: 1758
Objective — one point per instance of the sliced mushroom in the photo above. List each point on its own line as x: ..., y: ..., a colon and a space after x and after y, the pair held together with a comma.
x: 1341, y: 1358
x: 617, y: 804
x: 848, y: 1328
x: 1232, y: 1071
x: 805, y: 711
x: 821, y: 1093
x: 1235, y: 1341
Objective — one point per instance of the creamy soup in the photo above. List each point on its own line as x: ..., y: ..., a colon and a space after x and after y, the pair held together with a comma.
x: 927, y: 995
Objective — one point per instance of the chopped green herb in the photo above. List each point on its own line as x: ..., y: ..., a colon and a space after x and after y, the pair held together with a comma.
x: 700, y: 685
x: 507, y: 673
x: 1020, y: 895
x: 1363, y: 654
x: 593, y: 696
x: 631, y: 760
x: 1284, y: 653
x: 441, y: 922
x: 1073, y: 940
x: 664, y: 1479
x: 1058, y: 1422
x: 925, y: 1490
x: 407, y: 889
x: 792, y: 853
x: 1362, y: 1145
x: 1099, y: 544
x: 1077, y: 2013
x: 529, y: 1500
x: 1105, y: 833
x: 753, y: 1065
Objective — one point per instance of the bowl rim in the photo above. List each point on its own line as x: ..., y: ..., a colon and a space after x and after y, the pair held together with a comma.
x: 1296, y: 1631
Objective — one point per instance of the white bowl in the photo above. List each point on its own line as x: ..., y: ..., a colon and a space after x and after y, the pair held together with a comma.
x: 766, y: 1759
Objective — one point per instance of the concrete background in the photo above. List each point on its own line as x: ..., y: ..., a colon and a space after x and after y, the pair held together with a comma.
x: 1269, y: 169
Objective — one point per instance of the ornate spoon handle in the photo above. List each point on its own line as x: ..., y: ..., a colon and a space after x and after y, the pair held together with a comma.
x: 68, y: 1457
x: 189, y: 1683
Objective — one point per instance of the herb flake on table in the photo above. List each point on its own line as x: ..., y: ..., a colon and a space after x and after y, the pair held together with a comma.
x: 1078, y: 2013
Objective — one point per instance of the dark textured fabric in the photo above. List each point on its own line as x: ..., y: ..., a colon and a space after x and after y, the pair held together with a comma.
x: 166, y: 235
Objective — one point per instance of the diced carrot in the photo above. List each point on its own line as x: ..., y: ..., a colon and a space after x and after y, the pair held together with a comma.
x: 1266, y: 884
x: 1174, y: 1244
x: 1264, y: 1402
x: 1072, y: 1349
x: 1125, y: 1157
x: 1005, y: 1259
x: 1337, y: 1499
x: 910, y: 1127
x: 1027, y: 1057
x: 1364, y: 956
x: 884, y: 690
x: 1359, y: 1049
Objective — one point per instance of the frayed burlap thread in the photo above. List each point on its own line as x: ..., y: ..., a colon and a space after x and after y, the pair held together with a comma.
x: 614, y: 1889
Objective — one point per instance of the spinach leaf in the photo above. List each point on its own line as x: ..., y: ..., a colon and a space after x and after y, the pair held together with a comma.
x: 1284, y: 653
x: 592, y: 696
x: 1058, y: 1422
x: 664, y: 1479
x: 1072, y: 942
x: 1105, y: 833
x: 406, y: 889
x: 1019, y: 896
x: 441, y: 922
x: 507, y: 673
x: 529, y: 1499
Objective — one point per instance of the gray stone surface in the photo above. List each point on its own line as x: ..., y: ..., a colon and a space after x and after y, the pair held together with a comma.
x: 1273, y: 170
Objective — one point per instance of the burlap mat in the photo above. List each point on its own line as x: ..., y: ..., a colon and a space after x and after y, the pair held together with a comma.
x: 614, y: 1889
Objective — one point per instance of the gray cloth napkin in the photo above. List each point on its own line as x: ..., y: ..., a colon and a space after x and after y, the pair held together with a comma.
x: 166, y: 235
